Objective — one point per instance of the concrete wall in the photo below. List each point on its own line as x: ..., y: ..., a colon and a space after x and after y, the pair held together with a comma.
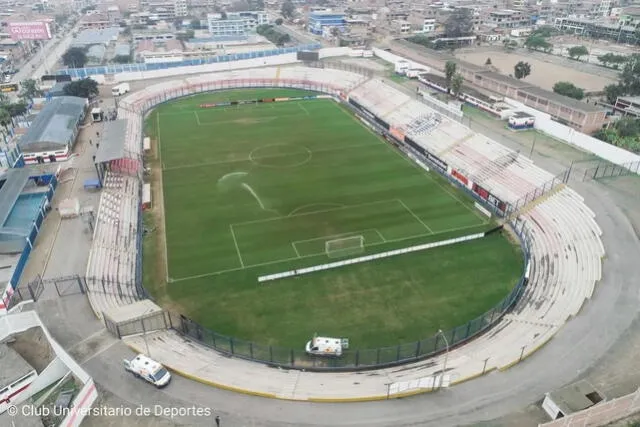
x: 393, y: 58
x: 571, y: 136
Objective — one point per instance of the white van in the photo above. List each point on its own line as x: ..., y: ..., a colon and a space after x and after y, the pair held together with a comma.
x: 325, y: 346
x: 148, y: 369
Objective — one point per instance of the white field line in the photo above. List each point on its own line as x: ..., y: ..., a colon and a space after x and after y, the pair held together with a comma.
x: 235, y: 224
x: 262, y: 264
x: 381, y: 236
x: 293, y: 244
x: 235, y: 242
x: 415, y: 216
x: 412, y: 163
x: 247, y: 159
x: 303, y: 109
x: 195, y: 113
x: 334, y: 236
x: 164, y: 216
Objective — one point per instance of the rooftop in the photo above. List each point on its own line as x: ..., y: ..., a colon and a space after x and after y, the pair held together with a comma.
x: 575, y: 397
x: 54, y: 125
x: 112, y: 145
x: 564, y: 100
x: 12, y: 182
x: 88, y: 37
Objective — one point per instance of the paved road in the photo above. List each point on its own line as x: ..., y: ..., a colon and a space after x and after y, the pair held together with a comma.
x: 45, y: 60
x: 577, y: 348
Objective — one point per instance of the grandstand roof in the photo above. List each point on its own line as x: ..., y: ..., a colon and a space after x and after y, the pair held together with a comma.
x: 12, y: 182
x: 54, y: 127
x: 89, y: 37
x: 112, y: 142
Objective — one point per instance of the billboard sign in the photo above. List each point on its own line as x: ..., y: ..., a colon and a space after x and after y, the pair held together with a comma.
x: 30, y: 30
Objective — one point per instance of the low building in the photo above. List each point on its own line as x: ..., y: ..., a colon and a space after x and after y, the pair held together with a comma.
x: 598, y: 28
x: 587, y: 118
x: 97, y: 21
x: 507, y: 19
x: 95, y: 54
x: 400, y: 27
x: 628, y: 106
x: 252, y: 19
x: 104, y: 36
x: 53, y: 132
x: 227, y: 27
x: 568, y: 400
x: 318, y: 21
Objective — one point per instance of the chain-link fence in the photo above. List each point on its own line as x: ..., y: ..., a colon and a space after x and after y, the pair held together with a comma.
x: 606, y: 169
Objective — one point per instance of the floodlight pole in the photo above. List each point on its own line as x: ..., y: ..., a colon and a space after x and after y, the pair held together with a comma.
x: 446, y: 355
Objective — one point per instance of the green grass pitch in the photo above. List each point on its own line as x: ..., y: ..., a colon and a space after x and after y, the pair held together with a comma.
x: 258, y: 189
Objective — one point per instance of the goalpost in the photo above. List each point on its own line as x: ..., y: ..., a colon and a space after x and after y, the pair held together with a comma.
x: 346, y: 246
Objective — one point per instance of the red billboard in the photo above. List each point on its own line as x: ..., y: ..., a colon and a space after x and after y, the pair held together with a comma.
x: 30, y: 30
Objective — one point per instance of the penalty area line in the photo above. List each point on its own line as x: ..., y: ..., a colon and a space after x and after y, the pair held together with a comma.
x: 235, y: 242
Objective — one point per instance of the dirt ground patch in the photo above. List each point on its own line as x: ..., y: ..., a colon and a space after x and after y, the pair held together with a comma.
x: 543, y: 74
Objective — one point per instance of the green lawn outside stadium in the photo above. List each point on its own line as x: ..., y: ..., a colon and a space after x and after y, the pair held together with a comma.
x: 258, y: 189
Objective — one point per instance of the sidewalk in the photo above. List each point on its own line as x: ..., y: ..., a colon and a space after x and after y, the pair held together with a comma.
x: 194, y: 361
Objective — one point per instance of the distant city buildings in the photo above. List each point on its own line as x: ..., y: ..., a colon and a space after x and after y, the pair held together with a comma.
x: 235, y: 24
x: 318, y: 21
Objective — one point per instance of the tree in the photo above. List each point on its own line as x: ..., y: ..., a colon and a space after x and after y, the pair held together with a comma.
x: 522, y: 70
x: 536, y: 42
x: 576, y: 52
x: 186, y: 35
x: 279, y: 21
x: 195, y: 24
x: 85, y: 88
x: 449, y: 72
x: 568, y: 89
x: 456, y: 84
x: 288, y: 9
x: 459, y: 23
x: 612, y: 92
x: 612, y: 59
x: 5, y: 118
x: 30, y: 89
x: 17, y: 109
x: 488, y: 61
x: 75, y: 57
x: 122, y: 59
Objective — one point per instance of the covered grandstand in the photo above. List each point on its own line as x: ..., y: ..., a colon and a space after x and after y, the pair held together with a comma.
x: 113, y: 155
x: 53, y: 132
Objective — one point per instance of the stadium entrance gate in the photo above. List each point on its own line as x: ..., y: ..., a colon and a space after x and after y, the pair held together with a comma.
x: 69, y: 285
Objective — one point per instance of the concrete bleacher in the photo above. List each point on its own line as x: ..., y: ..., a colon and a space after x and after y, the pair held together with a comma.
x: 562, y: 234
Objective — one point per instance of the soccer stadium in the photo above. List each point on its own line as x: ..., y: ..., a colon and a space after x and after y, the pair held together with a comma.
x: 294, y: 201
x: 309, y: 232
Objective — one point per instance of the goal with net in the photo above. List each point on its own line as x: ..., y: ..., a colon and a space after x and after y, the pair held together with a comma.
x: 346, y: 246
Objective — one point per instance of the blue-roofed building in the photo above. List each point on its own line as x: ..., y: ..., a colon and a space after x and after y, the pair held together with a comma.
x: 25, y: 197
x: 318, y: 21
